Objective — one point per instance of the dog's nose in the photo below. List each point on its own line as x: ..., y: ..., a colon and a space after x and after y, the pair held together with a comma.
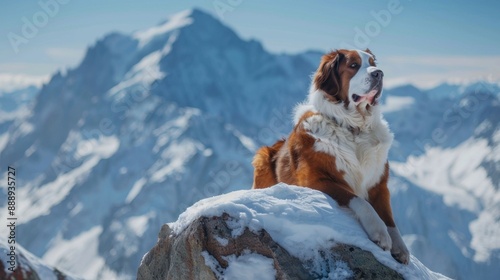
x: 377, y: 74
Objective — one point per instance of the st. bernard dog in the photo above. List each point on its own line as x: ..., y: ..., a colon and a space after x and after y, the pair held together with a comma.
x: 339, y: 145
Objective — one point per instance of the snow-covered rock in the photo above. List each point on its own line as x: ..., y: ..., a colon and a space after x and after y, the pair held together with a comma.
x: 19, y: 264
x: 283, y: 232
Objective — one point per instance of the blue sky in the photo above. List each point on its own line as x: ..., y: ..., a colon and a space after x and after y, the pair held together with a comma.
x: 423, y: 42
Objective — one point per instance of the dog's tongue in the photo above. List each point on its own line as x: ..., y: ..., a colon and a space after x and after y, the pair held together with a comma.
x: 369, y: 97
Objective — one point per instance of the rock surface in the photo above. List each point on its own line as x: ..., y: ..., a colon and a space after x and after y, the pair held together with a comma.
x: 27, y: 266
x: 180, y: 256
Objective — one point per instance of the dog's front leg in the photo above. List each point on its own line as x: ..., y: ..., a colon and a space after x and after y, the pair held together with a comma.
x: 373, y: 225
x: 399, y: 250
x: 367, y: 216
x: 379, y: 198
x: 337, y: 188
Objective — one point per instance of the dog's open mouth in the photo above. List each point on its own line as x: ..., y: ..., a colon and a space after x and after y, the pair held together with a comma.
x: 371, y: 97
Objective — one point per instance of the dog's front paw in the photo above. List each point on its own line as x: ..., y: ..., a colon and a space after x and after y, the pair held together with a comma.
x: 399, y: 251
x: 402, y: 255
x: 381, y: 237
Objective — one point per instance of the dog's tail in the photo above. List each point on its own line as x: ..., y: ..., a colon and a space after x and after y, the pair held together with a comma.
x: 264, y: 164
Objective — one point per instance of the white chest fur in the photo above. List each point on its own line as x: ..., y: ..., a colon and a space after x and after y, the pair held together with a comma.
x: 361, y: 156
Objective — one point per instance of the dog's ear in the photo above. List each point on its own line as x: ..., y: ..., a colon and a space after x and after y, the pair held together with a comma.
x: 327, y: 77
x: 370, y: 52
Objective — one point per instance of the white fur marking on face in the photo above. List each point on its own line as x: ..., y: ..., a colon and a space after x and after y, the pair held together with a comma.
x: 361, y: 82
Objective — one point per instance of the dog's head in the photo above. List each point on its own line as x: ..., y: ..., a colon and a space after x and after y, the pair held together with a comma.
x: 350, y: 77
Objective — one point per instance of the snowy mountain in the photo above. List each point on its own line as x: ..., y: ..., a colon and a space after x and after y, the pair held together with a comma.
x: 151, y: 122
x: 446, y: 159
x: 14, y: 105
x: 25, y: 266
x: 11, y: 100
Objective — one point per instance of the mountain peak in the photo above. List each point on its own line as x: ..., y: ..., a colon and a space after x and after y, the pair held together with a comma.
x: 173, y: 23
x: 199, y: 13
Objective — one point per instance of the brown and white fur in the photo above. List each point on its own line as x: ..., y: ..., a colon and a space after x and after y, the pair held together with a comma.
x: 339, y: 145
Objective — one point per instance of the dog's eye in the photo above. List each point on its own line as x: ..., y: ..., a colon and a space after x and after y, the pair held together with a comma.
x: 354, y: 65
